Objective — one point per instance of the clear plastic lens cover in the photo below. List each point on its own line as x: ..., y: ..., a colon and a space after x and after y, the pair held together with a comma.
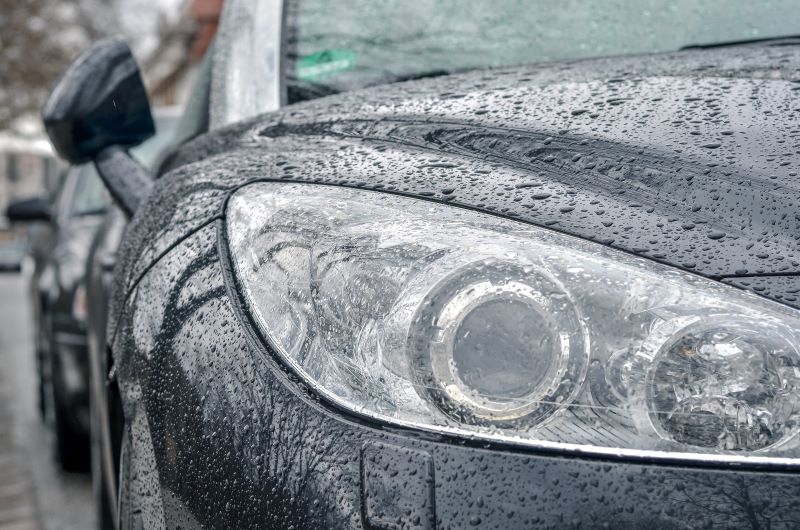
x: 427, y: 315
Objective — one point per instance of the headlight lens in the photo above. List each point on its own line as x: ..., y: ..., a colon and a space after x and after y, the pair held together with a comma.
x: 436, y: 317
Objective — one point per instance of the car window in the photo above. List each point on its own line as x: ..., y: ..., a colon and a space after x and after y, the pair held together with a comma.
x: 194, y: 120
x: 90, y: 195
x: 64, y: 196
x: 149, y: 153
x: 348, y: 44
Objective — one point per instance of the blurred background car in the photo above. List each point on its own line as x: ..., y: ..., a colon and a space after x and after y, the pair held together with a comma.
x: 59, y: 302
x: 12, y: 251
x: 59, y: 252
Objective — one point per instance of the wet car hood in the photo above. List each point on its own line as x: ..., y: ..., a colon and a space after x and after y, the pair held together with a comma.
x: 688, y: 158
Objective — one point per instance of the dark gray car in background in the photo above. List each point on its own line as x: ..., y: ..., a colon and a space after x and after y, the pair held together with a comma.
x: 74, y: 214
x: 59, y: 303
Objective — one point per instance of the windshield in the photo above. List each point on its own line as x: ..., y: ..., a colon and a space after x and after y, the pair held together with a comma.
x: 349, y: 44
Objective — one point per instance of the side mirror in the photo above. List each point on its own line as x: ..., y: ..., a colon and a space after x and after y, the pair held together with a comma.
x: 99, y: 109
x: 28, y: 210
x: 99, y: 102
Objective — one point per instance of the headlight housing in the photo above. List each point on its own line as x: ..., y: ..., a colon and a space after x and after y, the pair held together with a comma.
x: 426, y: 315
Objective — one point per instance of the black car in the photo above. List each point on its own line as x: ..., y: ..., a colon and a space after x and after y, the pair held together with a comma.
x: 396, y: 281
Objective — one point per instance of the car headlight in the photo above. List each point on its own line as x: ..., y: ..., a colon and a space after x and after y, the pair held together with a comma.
x: 427, y: 315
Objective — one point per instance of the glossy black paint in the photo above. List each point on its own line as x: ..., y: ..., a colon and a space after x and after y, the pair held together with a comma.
x: 687, y: 158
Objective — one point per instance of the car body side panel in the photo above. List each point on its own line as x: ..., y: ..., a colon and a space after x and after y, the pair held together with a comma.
x: 224, y: 437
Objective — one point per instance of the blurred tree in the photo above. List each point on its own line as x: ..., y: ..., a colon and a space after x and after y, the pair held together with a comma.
x: 38, y: 39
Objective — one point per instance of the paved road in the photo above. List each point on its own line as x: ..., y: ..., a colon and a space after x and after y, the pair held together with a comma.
x: 34, y: 493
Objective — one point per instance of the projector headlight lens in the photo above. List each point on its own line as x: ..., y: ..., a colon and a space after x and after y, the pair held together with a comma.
x: 434, y: 317
x: 492, y: 343
x: 722, y: 385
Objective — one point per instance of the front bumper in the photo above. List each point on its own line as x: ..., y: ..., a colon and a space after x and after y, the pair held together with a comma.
x: 231, y: 439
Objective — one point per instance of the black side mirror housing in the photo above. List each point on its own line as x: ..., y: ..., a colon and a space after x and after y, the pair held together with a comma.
x: 99, y: 102
x: 29, y: 210
x: 97, y: 110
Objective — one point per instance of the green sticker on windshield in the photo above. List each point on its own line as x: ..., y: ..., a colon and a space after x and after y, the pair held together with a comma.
x: 324, y: 64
